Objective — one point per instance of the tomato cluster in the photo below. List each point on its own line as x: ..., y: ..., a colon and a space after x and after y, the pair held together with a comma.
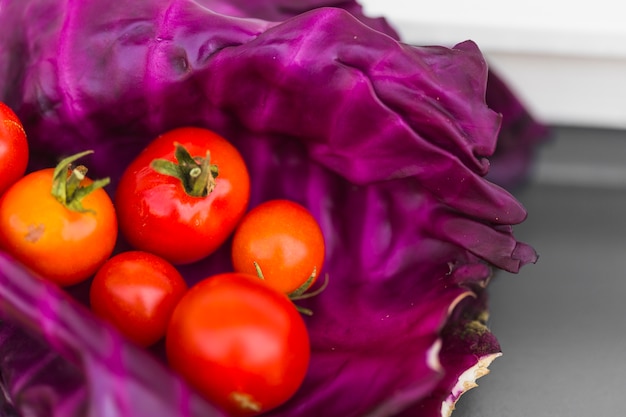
x: 236, y: 336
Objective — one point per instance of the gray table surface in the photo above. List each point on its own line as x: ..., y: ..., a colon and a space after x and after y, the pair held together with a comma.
x: 562, y: 322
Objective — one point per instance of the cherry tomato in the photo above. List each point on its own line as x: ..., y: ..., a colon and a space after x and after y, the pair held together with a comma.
x: 13, y: 148
x: 239, y: 342
x: 60, y: 225
x: 185, y: 205
x: 284, y: 240
x: 137, y: 292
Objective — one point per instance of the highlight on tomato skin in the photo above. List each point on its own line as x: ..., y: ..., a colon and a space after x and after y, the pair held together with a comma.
x: 14, y: 150
x: 137, y: 292
x: 240, y: 343
x: 283, y: 241
x: 183, y: 195
x: 59, y: 223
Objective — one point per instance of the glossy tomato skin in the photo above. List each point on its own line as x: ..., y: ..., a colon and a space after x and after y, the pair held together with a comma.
x: 241, y: 344
x: 156, y: 214
x: 13, y: 148
x: 63, y: 246
x: 284, y: 239
x: 137, y: 293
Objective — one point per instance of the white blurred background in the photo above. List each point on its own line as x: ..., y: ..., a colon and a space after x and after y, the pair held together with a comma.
x: 565, y: 59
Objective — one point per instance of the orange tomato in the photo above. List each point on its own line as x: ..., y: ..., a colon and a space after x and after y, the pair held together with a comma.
x: 61, y: 244
x: 284, y: 240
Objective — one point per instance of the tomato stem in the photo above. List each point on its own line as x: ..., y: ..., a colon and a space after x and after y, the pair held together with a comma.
x: 303, y: 296
x: 299, y: 293
x: 66, y: 183
x: 258, y: 270
x: 245, y: 402
x: 196, y: 174
x: 304, y: 310
x: 312, y: 293
x: 305, y: 285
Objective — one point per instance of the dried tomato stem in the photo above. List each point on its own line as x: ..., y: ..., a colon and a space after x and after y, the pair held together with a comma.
x: 245, y: 402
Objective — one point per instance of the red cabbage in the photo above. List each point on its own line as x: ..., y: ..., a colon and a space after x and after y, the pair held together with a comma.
x: 386, y: 143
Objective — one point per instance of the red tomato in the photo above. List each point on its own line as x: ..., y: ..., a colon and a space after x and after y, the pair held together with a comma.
x: 239, y: 342
x: 286, y: 242
x: 64, y: 241
x: 157, y: 211
x: 137, y: 292
x: 13, y: 148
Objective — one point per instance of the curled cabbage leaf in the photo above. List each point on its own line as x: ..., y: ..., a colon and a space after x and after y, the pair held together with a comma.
x: 386, y: 143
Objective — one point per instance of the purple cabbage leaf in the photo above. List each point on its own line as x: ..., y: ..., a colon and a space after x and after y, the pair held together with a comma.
x: 386, y: 143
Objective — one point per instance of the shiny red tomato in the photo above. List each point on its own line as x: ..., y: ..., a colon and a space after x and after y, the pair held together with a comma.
x: 61, y: 225
x: 137, y: 292
x: 185, y: 205
x: 13, y: 148
x: 239, y: 342
x: 284, y: 240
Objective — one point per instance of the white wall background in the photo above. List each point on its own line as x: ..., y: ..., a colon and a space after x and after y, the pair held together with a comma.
x: 565, y: 59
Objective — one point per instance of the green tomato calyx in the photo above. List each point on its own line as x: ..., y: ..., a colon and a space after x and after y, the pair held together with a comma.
x: 67, y: 187
x: 196, y: 174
